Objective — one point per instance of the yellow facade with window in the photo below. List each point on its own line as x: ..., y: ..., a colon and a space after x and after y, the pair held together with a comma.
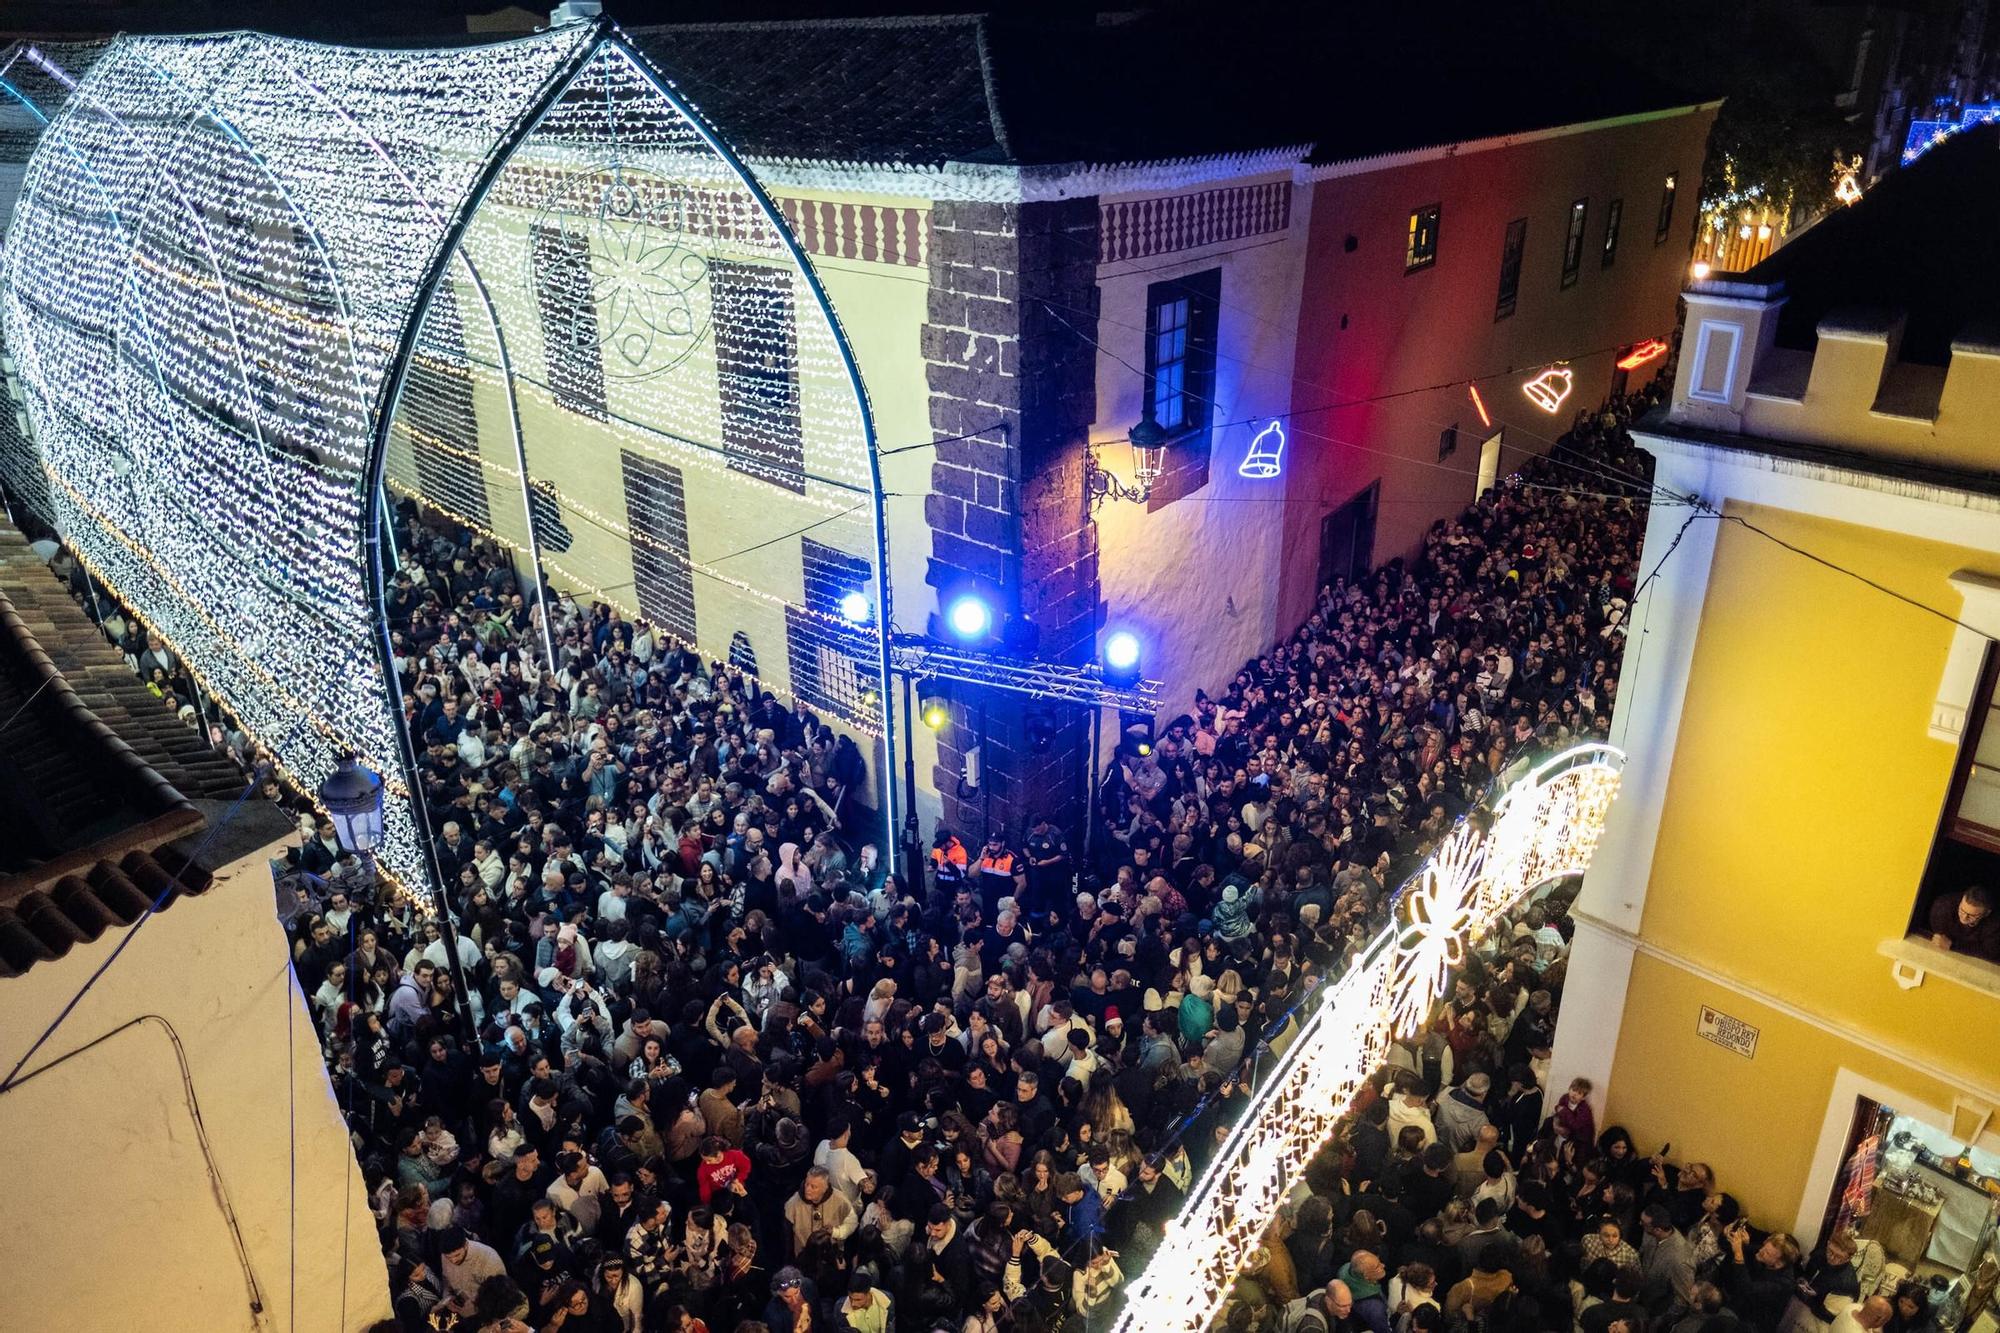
x: 1803, y: 682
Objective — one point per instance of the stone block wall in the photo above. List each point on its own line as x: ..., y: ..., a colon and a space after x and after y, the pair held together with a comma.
x: 1011, y: 365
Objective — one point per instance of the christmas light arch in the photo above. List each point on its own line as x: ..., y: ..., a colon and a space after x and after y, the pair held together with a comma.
x: 1544, y: 827
x: 244, y: 274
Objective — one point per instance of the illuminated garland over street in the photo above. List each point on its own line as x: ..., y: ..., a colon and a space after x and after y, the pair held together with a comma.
x: 1545, y: 827
x: 237, y: 258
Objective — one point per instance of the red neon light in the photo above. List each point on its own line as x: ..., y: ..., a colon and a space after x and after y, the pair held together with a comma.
x: 1641, y: 353
x: 1479, y: 403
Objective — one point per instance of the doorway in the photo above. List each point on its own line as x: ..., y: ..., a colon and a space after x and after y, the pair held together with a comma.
x: 1489, y: 462
x: 1347, y: 539
x: 1927, y: 1198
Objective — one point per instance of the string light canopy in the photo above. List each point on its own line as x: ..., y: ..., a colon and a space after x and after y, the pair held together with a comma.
x: 245, y: 271
x: 1545, y: 827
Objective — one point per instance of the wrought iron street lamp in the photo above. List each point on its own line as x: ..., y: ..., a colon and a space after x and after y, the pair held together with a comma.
x: 352, y: 796
x: 1149, y: 442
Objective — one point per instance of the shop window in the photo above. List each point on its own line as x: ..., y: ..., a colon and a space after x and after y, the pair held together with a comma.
x: 1579, y: 214
x: 1511, y: 252
x: 1422, y: 251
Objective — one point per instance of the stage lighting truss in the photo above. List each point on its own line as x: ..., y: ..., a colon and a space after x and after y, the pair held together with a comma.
x: 1057, y: 681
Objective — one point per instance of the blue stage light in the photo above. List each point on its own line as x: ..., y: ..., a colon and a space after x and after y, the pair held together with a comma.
x: 969, y: 617
x: 1120, y: 656
x: 854, y: 608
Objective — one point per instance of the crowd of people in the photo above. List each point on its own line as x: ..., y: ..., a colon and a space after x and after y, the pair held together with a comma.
x: 713, y: 1068
x: 725, y: 1071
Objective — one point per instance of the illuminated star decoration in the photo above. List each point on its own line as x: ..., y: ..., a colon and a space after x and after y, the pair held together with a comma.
x: 1267, y: 454
x: 1432, y: 943
x: 1548, y: 389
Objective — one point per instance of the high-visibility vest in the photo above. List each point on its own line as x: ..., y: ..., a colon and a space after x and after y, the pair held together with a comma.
x: 1001, y: 865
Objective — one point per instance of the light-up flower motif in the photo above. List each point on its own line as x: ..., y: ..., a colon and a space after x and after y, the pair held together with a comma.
x: 623, y: 237
x: 1432, y: 942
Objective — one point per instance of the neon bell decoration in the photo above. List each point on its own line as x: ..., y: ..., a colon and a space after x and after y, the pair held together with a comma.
x: 1548, y: 389
x: 1267, y: 454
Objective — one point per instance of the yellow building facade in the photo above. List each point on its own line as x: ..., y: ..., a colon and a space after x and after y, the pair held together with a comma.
x: 1806, y: 649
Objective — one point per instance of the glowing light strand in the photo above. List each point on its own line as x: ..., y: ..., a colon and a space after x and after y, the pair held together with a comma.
x: 200, y: 289
x: 1543, y: 828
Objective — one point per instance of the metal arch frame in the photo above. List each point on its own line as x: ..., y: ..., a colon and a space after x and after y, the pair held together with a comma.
x: 606, y: 34
x: 885, y: 781
x: 492, y: 318
x: 375, y: 464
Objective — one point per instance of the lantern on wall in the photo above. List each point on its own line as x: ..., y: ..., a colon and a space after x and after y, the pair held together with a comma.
x: 1149, y: 452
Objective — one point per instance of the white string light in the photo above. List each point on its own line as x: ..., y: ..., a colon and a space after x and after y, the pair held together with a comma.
x: 203, y: 286
x: 1545, y: 827
x: 648, y: 302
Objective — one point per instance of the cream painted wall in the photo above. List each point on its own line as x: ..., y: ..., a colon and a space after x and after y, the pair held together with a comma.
x: 116, y: 1222
x: 882, y: 309
x: 742, y: 584
x: 1198, y: 579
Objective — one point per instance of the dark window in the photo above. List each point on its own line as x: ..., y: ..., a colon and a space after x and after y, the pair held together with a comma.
x: 756, y: 363
x: 1422, y: 250
x: 1966, y: 849
x: 1612, y: 217
x: 1666, y: 221
x: 437, y: 416
x: 1447, y: 441
x: 568, y: 311
x: 1511, y: 251
x: 1579, y: 214
x: 1180, y: 349
x: 1347, y: 538
x: 656, y: 512
x: 829, y: 658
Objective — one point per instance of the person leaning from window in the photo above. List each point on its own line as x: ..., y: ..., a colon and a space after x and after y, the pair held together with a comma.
x: 1966, y: 923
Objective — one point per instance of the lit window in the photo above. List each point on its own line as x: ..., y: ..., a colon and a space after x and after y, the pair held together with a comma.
x: 1511, y: 251
x: 1180, y: 349
x: 1666, y: 208
x: 1579, y: 213
x: 1612, y: 217
x: 1423, y: 247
